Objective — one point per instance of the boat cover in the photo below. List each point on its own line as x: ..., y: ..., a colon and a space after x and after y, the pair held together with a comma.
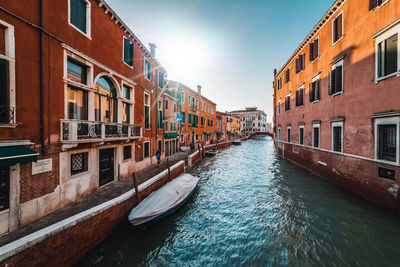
x: 164, y: 199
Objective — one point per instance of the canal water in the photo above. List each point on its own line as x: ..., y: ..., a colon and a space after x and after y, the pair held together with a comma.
x: 253, y: 208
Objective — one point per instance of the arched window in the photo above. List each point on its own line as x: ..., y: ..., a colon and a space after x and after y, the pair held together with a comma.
x: 105, y: 102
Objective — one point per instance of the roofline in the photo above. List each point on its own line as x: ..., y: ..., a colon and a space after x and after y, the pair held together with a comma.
x: 190, y: 89
x: 336, y: 5
x: 128, y: 31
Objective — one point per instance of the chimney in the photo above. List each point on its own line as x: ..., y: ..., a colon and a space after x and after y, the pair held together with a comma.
x: 199, y: 89
x: 152, y: 49
x: 275, y: 72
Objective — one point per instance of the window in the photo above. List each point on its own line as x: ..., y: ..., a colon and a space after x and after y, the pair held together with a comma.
x: 174, y: 107
x: 147, y: 69
x: 189, y: 118
x: 183, y: 114
x: 335, y: 83
x: 337, y: 136
x: 337, y: 28
x: 127, y: 152
x: 159, y: 145
x: 105, y: 102
x: 160, y: 115
x: 301, y: 134
x: 386, y: 139
x: 128, y: 52
x: 287, y: 103
x: 375, y: 3
x: 300, y: 63
x: 314, y: 50
x: 279, y: 133
x: 79, y: 15
x: 160, y: 79
x: 79, y: 163
x: 76, y: 71
x: 126, y: 106
x: 146, y: 150
x: 279, y: 106
x: 287, y: 76
x: 288, y: 134
x: 316, y: 135
x: 182, y: 97
x: 4, y: 187
x: 279, y: 83
x: 387, y: 56
x: 189, y: 100
x: 166, y: 104
x: 300, y: 97
x: 146, y: 111
x: 202, y: 121
x: 77, y: 103
x: 166, y: 126
x: 314, y: 93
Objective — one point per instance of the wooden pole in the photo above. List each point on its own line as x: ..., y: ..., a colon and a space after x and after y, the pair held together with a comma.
x: 135, y: 184
x: 169, y: 171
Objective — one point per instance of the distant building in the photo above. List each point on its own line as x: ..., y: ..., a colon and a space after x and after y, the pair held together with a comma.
x: 252, y: 120
x: 171, y: 126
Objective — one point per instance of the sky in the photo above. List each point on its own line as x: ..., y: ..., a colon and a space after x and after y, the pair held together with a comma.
x: 229, y: 47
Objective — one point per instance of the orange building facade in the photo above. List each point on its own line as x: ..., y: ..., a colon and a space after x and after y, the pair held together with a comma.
x: 336, y: 110
x: 198, y: 115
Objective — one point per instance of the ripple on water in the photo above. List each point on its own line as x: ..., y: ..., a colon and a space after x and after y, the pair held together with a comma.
x: 254, y: 208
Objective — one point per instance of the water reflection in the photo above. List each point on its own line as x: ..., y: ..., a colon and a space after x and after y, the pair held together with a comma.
x: 254, y: 208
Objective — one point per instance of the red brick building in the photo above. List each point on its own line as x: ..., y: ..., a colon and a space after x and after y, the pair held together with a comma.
x: 79, y: 94
x: 335, y: 100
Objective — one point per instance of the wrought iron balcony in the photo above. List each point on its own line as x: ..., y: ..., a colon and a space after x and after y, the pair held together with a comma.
x: 78, y: 131
x: 6, y: 114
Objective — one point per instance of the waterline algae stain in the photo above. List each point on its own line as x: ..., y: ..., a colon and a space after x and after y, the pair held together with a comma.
x: 254, y: 208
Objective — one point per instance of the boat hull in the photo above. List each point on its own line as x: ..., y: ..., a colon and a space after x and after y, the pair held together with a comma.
x: 211, y: 152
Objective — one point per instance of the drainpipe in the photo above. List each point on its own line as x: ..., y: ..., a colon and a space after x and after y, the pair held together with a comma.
x: 41, y: 78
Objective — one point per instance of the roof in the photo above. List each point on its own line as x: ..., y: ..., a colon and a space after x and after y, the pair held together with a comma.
x: 172, y: 84
x: 125, y: 28
x: 313, y: 32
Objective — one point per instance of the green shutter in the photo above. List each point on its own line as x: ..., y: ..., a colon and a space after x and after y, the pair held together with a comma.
x: 78, y: 14
x: 146, y: 117
x: 144, y: 66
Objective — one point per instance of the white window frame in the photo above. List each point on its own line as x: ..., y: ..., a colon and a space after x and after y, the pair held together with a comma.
x: 129, y: 101
x: 148, y: 142
x: 316, y: 125
x: 314, y: 79
x: 289, y: 136
x: 88, y: 19
x: 288, y: 95
x: 279, y: 133
x: 9, y: 55
x: 382, y: 37
x: 338, y: 40
x: 145, y: 104
x: 301, y: 127
x: 123, y: 51
x: 337, y: 124
x: 337, y: 64
x: 386, y: 121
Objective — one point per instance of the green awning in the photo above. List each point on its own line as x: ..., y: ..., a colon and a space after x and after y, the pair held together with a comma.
x: 228, y: 132
x: 11, y: 155
x: 170, y: 135
x: 220, y: 133
x: 207, y: 133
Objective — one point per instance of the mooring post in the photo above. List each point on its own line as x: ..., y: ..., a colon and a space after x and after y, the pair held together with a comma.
x: 169, y: 171
x: 135, y: 184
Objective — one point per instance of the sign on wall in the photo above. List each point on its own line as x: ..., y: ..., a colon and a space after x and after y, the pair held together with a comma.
x: 43, y: 165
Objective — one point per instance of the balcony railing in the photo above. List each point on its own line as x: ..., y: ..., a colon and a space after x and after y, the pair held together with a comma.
x: 6, y: 114
x: 78, y: 131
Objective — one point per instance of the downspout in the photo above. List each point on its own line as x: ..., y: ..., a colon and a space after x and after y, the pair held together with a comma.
x: 41, y: 78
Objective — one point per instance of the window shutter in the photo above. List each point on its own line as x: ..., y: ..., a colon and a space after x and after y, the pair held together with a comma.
x: 297, y: 98
x: 301, y: 97
x: 339, y: 26
x: 151, y: 71
x: 311, y: 51
x: 335, y: 30
x: 310, y: 93
x: 330, y: 83
x: 318, y: 94
x: 316, y: 48
x: 303, y: 61
x: 338, y: 79
x: 373, y: 4
x: 144, y: 66
x: 297, y: 65
x: 131, y: 53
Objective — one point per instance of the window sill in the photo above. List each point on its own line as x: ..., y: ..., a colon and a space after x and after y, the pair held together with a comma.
x: 11, y: 125
x: 127, y: 64
x: 338, y: 40
x: 302, y: 106
x: 387, y: 77
x: 395, y: 163
x: 316, y: 101
x: 336, y: 94
x: 381, y: 5
x: 312, y: 61
x: 87, y: 35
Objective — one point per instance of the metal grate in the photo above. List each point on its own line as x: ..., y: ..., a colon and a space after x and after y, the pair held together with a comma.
x: 387, y: 142
x: 79, y: 163
x: 337, y: 139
